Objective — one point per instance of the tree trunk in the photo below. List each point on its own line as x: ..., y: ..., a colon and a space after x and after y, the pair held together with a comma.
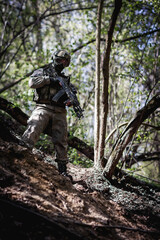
x: 105, y: 83
x: 128, y: 133
x: 97, y: 85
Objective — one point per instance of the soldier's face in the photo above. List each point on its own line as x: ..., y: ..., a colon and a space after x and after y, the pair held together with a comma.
x: 66, y: 62
x: 63, y: 62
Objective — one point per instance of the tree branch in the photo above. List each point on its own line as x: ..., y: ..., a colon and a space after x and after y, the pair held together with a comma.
x: 138, y: 36
x: 149, y: 156
x: 124, y: 124
x: 118, y: 40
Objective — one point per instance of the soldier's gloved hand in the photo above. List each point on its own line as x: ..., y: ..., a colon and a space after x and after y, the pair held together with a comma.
x: 68, y: 103
x: 53, y: 81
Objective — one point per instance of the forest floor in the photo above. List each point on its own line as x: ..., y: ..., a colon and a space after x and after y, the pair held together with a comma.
x: 38, y: 203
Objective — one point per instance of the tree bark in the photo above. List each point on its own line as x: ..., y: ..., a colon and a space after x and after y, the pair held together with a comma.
x: 128, y: 133
x: 13, y: 111
x: 97, y: 86
x: 105, y: 83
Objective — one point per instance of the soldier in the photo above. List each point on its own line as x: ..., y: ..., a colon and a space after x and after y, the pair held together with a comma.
x: 47, y: 111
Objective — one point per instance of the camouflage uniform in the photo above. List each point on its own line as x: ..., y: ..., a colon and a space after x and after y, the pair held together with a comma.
x: 48, y: 112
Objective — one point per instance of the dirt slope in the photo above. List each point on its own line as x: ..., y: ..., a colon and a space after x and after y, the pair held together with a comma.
x: 38, y: 203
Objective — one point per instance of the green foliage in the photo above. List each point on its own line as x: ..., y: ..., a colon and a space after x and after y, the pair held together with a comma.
x: 45, y: 144
x: 78, y: 159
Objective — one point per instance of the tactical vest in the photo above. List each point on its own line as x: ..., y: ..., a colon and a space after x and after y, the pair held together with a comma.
x: 47, y: 92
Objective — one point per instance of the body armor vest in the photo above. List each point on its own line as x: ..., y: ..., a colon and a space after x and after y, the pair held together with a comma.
x: 47, y: 92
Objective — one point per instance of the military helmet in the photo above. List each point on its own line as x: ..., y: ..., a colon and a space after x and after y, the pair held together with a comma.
x: 59, y: 57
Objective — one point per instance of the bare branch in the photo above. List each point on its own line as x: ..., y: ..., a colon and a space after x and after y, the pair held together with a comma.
x: 124, y: 124
x: 138, y: 36
x: 117, y: 41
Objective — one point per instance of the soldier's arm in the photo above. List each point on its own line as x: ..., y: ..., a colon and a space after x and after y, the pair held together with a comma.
x: 38, y: 80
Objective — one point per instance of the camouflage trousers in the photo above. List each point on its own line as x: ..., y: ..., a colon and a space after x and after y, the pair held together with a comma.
x: 55, y: 117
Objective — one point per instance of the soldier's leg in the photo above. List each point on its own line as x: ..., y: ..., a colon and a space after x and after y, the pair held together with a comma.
x: 36, y: 124
x: 59, y: 136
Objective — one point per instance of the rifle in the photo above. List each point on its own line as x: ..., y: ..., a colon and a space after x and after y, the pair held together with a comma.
x: 70, y: 91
